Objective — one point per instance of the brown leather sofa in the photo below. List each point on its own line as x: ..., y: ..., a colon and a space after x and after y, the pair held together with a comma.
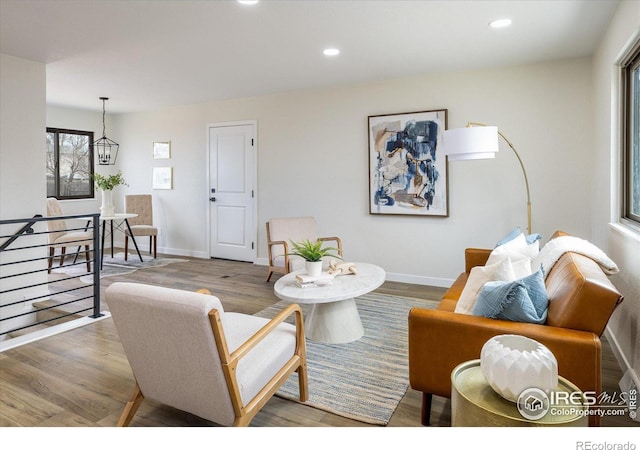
x: 581, y: 301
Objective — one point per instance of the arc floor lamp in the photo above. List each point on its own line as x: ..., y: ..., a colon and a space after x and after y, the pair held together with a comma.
x: 480, y: 141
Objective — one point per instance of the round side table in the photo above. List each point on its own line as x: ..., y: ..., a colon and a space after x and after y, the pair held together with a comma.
x: 475, y: 404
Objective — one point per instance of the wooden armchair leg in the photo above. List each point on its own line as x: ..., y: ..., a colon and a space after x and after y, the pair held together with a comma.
x: 63, y: 251
x: 303, y: 383
x: 52, y: 252
x: 131, y: 408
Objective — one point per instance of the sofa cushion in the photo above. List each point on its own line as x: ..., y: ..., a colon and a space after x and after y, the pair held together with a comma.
x: 523, y: 300
x: 453, y: 293
x: 501, y: 271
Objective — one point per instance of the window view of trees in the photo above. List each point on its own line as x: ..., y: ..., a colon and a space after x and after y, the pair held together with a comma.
x: 69, y: 164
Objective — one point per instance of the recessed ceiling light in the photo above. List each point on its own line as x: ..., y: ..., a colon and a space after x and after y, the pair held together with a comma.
x: 331, y: 51
x: 248, y: 2
x: 500, y: 23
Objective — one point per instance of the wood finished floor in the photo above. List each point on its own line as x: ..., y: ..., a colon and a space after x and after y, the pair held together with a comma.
x: 81, y: 378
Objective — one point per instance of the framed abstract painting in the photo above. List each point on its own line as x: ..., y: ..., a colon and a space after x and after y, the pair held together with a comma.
x: 407, y: 172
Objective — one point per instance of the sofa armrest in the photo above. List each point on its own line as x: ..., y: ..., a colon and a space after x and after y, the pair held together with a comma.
x: 475, y: 257
x: 440, y: 340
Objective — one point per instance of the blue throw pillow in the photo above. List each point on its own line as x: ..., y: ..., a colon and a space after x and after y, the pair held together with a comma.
x: 523, y: 300
x: 510, y: 236
x: 530, y: 238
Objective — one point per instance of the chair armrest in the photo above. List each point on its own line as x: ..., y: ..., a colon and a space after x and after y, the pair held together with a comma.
x: 475, y: 257
x: 258, y: 336
x: 285, y: 252
x: 262, y: 333
x: 336, y: 239
x: 440, y: 340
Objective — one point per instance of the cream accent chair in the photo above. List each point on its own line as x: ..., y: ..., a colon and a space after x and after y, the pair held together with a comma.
x: 141, y: 225
x: 280, y: 232
x: 60, y: 238
x: 187, y: 352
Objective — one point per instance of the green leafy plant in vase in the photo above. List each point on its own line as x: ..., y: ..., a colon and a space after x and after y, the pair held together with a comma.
x: 312, y: 253
x: 106, y: 184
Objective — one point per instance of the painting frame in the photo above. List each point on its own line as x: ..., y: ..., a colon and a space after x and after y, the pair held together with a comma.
x: 408, y: 173
x: 162, y: 150
x: 162, y: 178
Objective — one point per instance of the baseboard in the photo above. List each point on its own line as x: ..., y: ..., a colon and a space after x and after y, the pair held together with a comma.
x: 399, y: 277
x: 419, y: 279
x: 623, y: 362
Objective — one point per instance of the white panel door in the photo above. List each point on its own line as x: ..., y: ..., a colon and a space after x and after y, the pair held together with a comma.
x: 232, y: 160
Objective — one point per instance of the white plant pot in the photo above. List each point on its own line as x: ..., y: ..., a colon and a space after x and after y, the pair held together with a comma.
x: 107, y: 209
x: 314, y: 268
x: 513, y: 363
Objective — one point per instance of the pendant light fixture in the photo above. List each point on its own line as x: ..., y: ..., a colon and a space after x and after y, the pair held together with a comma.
x: 105, y: 148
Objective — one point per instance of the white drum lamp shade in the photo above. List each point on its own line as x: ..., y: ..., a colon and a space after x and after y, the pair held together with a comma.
x: 470, y: 143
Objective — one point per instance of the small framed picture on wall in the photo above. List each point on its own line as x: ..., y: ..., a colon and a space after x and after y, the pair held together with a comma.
x: 162, y: 150
x: 162, y: 178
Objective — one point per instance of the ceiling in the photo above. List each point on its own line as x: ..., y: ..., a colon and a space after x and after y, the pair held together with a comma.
x: 146, y: 55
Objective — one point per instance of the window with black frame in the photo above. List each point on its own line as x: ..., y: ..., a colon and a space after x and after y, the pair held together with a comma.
x: 69, y: 164
x: 631, y: 136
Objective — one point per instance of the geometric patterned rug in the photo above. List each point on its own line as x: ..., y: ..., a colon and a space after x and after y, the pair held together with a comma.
x: 363, y: 380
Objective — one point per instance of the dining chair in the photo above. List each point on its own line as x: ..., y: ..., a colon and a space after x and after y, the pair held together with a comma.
x: 142, y: 205
x: 187, y: 352
x: 61, y: 237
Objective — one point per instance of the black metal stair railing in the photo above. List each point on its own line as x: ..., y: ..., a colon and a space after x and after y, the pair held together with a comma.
x: 26, y: 229
x: 27, y: 290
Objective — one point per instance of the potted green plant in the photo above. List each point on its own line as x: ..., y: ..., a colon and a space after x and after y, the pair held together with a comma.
x: 312, y: 253
x: 106, y: 184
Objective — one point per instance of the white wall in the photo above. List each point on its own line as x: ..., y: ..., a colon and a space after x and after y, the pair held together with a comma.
x: 22, y: 175
x: 22, y: 140
x: 313, y: 159
x: 621, y: 244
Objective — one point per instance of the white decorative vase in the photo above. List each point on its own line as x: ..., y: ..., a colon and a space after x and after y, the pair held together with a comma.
x: 513, y: 363
x: 107, y: 209
x: 314, y: 268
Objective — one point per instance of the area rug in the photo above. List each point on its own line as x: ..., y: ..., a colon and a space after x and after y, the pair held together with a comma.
x: 363, y: 380
x: 117, y: 266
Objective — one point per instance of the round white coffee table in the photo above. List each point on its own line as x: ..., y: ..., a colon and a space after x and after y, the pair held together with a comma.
x: 334, y: 316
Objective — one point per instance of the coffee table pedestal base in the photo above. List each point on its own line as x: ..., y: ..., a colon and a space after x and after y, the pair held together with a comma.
x: 334, y: 323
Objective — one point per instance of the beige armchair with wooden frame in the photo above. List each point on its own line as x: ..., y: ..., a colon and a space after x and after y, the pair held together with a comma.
x: 187, y: 352
x: 281, y: 231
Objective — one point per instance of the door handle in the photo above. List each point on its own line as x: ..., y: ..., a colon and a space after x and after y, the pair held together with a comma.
x: 212, y: 199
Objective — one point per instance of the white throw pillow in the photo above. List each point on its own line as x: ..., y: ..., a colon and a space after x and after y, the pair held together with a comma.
x: 522, y: 268
x: 479, y: 275
x: 516, y: 249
